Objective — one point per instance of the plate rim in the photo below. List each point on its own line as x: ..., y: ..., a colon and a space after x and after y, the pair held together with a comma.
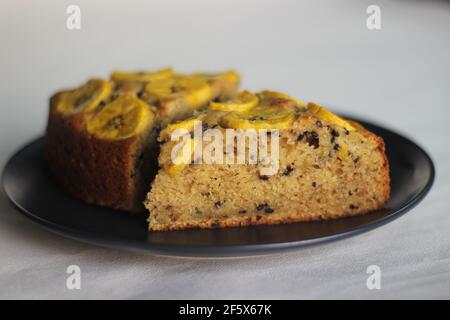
x: 216, y: 251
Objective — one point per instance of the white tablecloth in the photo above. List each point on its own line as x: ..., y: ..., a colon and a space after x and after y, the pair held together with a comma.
x: 398, y: 76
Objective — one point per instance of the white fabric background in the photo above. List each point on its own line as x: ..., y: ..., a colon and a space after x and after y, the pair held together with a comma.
x: 320, y: 50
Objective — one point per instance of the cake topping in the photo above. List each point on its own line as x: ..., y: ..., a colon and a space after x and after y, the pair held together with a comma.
x: 259, y: 118
x: 85, y: 98
x: 266, y: 94
x: 195, y: 91
x: 244, y: 101
x: 230, y: 75
x: 122, y: 118
x: 188, y: 124
x: 144, y: 76
x: 325, y: 115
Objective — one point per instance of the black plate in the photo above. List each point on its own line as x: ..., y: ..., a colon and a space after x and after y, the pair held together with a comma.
x: 29, y: 186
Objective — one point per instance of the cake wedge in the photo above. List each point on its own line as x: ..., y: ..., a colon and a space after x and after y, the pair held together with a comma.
x: 310, y: 164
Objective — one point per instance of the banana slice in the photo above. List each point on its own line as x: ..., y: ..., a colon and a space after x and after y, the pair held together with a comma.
x: 244, y: 101
x: 124, y: 117
x: 187, y: 124
x: 196, y: 92
x: 142, y: 76
x: 86, y: 98
x: 259, y: 118
x: 230, y: 75
x: 266, y: 94
x: 183, y: 157
x: 326, y: 115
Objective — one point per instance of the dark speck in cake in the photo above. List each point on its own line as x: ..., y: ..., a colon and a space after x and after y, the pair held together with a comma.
x: 334, y: 134
x: 288, y: 171
x: 310, y: 137
x: 261, y: 206
x: 268, y: 210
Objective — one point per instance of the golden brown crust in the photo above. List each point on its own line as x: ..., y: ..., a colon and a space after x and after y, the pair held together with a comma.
x: 281, y: 218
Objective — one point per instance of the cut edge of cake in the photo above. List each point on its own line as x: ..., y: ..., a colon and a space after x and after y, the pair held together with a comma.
x: 329, y: 168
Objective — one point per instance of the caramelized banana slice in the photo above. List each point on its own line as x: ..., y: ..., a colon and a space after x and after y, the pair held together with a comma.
x: 326, y: 115
x: 244, y: 101
x: 196, y: 92
x: 124, y: 117
x: 183, y: 157
x: 230, y: 75
x: 259, y: 118
x: 142, y: 76
x: 266, y: 94
x: 187, y: 124
x: 86, y: 98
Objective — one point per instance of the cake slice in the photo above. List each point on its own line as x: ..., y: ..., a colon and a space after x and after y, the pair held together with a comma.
x: 101, y: 143
x: 326, y: 167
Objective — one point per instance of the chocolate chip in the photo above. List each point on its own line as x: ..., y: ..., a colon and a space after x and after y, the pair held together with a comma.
x: 350, y: 193
x: 319, y: 124
x: 258, y: 217
x: 205, y: 126
x: 261, y: 206
x: 102, y: 103
x: 217, y: 204
x: 311, y: 137
x: 346, y: 131
x: 336, y: 147
x: 334, y: 134
x: 268, y: 210
x: 353, y: 207
x: 356, y: 159
x: 288, y: 171
x: 263, y: 177
x: 242, y: 211
x: 140, y: 94
x: 314, y: 184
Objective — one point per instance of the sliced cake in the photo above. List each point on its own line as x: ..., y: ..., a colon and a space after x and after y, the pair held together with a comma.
x: 310, y: 164
x: 101, y: 137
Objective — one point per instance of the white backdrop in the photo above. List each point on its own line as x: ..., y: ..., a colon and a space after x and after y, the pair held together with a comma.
x: 398, y: 76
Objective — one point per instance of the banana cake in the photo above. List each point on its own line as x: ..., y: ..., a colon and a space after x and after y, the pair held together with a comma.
x: 101, y: 137
x: 323, y: 166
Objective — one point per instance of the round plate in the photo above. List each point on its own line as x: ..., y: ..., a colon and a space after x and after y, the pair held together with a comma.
x: 29, y: 186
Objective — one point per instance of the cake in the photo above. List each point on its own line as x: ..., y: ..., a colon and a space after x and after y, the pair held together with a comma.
x: 327, y: 167
x: 101, y: 138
